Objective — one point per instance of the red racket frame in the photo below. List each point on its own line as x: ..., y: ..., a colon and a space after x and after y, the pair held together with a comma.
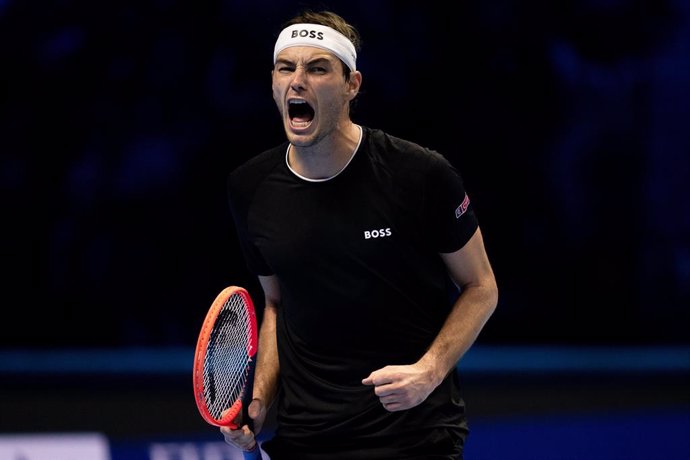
x: 202, y: 347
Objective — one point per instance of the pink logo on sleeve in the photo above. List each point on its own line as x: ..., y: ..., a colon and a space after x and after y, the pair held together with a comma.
x: 460, y: 210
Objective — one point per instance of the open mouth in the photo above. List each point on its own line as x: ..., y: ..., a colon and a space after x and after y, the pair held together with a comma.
x: 300, y: 113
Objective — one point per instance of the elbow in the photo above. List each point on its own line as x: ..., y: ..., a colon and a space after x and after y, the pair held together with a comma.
x: 493, y: 300
x: 492, y: 296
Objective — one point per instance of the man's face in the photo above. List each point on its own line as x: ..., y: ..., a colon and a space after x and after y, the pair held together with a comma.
x: 311, y: 93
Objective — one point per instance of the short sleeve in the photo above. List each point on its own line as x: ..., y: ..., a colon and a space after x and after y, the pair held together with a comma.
x: 450, y: 216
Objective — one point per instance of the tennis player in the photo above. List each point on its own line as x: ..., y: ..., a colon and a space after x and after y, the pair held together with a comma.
x: 373, y: 268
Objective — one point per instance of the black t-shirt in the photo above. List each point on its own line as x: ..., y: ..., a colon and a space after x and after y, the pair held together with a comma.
x: 362, y: 284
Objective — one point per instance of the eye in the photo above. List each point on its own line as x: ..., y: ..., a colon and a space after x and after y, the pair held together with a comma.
x: 319, y: 70
x: 284, y: 68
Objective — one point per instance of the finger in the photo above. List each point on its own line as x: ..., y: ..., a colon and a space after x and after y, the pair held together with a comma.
x: 378, y: 380
x: 391, y: 406
x: 385, y: 390
x: 237, y: 421
x: 242, y: 438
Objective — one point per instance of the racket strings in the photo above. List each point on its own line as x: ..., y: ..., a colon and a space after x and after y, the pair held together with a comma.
x: 227, y: 359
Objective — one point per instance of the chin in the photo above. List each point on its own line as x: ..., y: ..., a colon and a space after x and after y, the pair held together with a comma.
x: 300, y: 139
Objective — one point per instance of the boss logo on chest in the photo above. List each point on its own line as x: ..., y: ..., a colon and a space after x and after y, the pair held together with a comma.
x: 377, y: 233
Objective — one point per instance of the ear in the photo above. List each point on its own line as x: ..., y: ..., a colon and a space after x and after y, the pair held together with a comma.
x: 354, y: 84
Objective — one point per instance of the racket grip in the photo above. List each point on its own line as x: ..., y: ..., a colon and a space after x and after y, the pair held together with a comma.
x: 254, y: 454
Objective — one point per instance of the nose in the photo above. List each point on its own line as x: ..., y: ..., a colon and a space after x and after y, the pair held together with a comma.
x: 298, y: 79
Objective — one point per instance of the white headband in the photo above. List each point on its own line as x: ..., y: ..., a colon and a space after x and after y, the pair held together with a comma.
x: 319, y: 36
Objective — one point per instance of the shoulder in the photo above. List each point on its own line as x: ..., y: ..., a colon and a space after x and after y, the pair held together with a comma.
x: 254, y: 170
x: 401, y: 153
x: 263, y: 162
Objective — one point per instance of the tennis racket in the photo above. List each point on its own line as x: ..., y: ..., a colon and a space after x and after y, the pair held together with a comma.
x: 224, y: 361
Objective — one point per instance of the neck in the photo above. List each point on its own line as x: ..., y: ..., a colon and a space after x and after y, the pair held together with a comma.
x: 328, y: 157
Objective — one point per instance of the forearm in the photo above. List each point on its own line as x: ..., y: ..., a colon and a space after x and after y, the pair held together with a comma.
x: 468, y: 316
x: 267, y: 366
x: 470, y: 269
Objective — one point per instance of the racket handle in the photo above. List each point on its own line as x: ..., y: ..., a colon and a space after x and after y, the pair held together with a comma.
x: 254, y: 454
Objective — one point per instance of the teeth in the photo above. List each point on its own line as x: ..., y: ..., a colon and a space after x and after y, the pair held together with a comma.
x: 297, y: 102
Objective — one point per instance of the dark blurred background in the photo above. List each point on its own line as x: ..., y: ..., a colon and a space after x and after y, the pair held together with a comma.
x: 119, y: 122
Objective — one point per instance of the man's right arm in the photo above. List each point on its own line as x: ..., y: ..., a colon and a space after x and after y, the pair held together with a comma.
x: 265, y: 374
x: 267, y: 365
